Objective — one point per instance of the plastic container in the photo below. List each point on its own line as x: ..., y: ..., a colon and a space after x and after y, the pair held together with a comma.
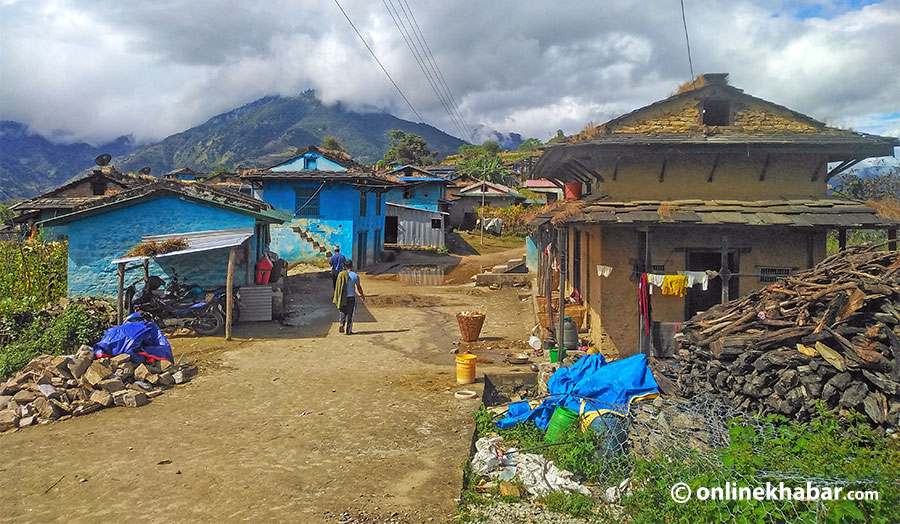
x: 554, y: 355
x: 612, y: 431
x: 470, y: 323
x: 465, y: 368
x: 570, y: 334
x: 562, y: 418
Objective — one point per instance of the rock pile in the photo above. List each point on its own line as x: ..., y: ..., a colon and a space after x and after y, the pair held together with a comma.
x: 59, y: 387
x: 829, y: 333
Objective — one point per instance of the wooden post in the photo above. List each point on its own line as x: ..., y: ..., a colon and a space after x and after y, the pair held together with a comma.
x: 842, y: 238
x: 249, y: 280
x: 146, y: 268
x: 892, y: 239
x: 725, y: 272
x: 563, y: 236
x: 120, y: 302
x: 229, y: 290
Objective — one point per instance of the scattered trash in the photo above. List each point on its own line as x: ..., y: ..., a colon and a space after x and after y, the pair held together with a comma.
x: 539, y: 475
x: 305, y: 413
x: 465, y: 394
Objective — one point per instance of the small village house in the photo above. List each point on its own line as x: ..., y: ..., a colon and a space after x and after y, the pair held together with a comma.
x: 551, y: 191
x: 710, y: 179
x: 332, y: 201
x: 464, y: 211
x: 416, y: 212
x: 104, y: 230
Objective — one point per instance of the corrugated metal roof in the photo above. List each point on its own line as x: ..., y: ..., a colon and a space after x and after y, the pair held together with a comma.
x: 198, y: 241
x: 416, y: 208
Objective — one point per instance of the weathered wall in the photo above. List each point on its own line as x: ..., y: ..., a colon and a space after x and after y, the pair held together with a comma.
x: 735, y: 177
x: 613, y: 312
x: 422, y: 196
x: 97, y: 240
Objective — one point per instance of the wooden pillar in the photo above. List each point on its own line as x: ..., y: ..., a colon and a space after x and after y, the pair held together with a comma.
x: 842, y: 238
x: 249, y: 264
x: 725, y: 271
x: 892, y: 239
x: 146, y: 268
x: 120, y: 296
x: 229, y: 292
x: 563, y: 236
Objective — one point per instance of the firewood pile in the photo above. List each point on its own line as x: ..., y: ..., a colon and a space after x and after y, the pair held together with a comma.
x: 60, y: 387
x: 829, y: 333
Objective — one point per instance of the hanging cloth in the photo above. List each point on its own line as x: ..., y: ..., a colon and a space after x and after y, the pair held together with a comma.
x: 696, y: 277
x: 655, y: 280
x: 603, y: 271
x: 674, y: 285
x: 644, y: 301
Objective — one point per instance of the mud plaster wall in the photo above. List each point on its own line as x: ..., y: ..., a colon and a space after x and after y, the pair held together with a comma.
x: 612, y: 301
x: 97, y: 240
x: 735, y: 177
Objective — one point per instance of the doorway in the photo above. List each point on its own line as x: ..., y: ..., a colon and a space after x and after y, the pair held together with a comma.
x: 391, y: 229
x: 361, y: 241
x: 698, y: 300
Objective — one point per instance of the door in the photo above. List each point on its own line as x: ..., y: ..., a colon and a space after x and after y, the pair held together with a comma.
x: 698, y: 300
x: 391, y: 224
x: 361, y: 249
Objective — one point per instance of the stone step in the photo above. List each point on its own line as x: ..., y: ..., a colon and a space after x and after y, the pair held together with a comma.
x: 500, y: 268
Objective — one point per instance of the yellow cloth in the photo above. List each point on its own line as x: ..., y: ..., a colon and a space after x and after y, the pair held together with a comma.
x: 340, y: 289
x: 674, y: 285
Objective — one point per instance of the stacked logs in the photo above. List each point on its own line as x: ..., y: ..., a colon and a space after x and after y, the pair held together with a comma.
x: 829, y: 333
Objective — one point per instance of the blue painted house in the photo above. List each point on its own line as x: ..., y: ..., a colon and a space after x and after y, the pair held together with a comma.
x: 106, y: 229
x: 332, y: 201
x: 420, y: 189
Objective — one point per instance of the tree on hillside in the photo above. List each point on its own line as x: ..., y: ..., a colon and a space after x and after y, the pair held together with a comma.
x: 485, y: 165
x: 878, y: 187
x: 558, y: 139
x: 331, y: 143
x: 530, y: 144
x: 407, y: 148
x: 491, y: 146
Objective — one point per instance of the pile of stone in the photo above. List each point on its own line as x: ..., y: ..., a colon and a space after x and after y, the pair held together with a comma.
x: 59, y: 387
x: 831, y: 333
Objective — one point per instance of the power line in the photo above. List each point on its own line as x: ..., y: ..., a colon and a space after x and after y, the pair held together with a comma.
x: 379, y: 62
x: 687, y: 40
x: 404, y: 32
x: 440, y: 73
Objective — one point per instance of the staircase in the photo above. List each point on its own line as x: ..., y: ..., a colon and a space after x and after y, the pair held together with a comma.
x: 515, y: 265
x: 307, y: 236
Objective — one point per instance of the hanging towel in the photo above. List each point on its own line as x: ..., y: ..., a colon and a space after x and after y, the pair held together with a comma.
x: 674, y: 285
x: 656, y: 280
x: 696, y: 277
x: 603, y: 271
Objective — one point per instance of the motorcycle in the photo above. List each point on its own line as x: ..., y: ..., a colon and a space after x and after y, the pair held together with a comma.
x: 178, y: 306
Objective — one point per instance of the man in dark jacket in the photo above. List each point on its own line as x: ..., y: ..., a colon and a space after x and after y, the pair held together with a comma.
x: 337, y: 264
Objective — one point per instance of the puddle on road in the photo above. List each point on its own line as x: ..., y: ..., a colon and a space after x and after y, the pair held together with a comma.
x: 422, y: 275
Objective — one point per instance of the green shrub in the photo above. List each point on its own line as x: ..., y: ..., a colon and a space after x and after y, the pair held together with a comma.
x: 574, y: 504
x: 33, y: 273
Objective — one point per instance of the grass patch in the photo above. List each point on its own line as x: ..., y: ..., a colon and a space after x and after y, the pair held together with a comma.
x: 574, y: 504
x: 492, y: 244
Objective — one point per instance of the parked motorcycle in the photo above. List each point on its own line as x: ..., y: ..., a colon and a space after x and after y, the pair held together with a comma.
x: 178, y: 306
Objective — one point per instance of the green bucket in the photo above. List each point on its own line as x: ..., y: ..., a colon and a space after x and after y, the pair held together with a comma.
x: 554, y: 355
x: 562, y: 418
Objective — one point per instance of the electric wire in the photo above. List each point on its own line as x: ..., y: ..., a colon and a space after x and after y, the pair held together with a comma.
x: 379, y: 62
x: 404, y: 32
x: 687, y: 40
x: 443, y: 81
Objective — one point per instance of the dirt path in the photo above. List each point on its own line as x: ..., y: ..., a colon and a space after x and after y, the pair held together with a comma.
x: 290, y: 423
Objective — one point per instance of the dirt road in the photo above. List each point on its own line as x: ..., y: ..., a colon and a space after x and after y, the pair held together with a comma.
x: 291, y: 423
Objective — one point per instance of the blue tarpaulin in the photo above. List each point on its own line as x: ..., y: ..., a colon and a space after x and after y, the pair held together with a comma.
x: 140, y: 339
x: 593, y: 386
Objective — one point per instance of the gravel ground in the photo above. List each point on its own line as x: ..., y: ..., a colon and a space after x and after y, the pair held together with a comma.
x: 522, y: 513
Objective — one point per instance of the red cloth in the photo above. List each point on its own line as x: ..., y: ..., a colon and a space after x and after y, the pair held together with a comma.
x: 644, y: 301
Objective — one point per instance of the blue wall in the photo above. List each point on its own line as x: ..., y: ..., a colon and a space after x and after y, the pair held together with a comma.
x: 422, y: 196
x: 531, y: 254
x: 338, y: 222
x: 96, y: 240
x: 309, y: 161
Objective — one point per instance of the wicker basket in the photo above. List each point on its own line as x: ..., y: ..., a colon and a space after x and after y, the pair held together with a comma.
x: 577, y: 312
x: 470, y: 323
x: 542, y: 303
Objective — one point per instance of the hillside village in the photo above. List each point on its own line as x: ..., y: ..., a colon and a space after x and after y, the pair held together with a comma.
x: 684, y: 291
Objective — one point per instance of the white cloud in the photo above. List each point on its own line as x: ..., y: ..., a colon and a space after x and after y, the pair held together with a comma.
x: 95, y: 70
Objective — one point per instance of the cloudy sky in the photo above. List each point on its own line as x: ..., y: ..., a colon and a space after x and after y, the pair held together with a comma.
x: 95, y: 69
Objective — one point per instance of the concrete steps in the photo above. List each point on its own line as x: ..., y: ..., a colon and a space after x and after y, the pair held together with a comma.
x: 307, y: 236
x: 515, y: 265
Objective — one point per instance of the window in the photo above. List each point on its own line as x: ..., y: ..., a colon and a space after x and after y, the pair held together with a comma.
x: 309, y: 163
x: 307, y: 204
x: 407, y: 192
x: 363, y: 202
x: 378, y: 204
x: 717, y: 113
x: 435, y: 223
x: 773, y: 274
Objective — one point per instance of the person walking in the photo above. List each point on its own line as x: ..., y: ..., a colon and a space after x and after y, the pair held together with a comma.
x: 337, y: 264
x: 347, y: 288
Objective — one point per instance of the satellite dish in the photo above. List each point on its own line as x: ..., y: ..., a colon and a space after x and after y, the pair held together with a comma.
x: 144, y: 171
x: 103, y: 159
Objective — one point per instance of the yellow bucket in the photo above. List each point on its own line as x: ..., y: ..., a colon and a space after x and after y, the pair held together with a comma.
x: 465, y: 368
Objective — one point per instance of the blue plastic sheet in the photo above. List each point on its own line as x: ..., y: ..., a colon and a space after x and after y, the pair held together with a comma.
x: 140, y: 339
x: 605, y: 387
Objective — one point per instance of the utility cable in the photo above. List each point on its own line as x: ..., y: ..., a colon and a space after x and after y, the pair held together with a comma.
x: 687, y: 40
x: 422, y: 120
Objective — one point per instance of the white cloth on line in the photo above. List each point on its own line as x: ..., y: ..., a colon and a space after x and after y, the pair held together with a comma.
x: 603, y: 271
x: 696, y: 277
x: 656, y: 280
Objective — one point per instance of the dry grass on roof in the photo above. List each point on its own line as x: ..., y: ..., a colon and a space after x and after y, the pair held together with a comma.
x: 887, y: 208
x: 153, y: 248
x: 690, y: 85
x: 666, y: 209
x: 534, y: 212
x: 570, y: 209
x: 590, y: 132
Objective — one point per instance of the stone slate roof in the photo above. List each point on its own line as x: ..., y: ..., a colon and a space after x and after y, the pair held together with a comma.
x: 824, y: 212
x: 50, y: 200
x: 218, y: 196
